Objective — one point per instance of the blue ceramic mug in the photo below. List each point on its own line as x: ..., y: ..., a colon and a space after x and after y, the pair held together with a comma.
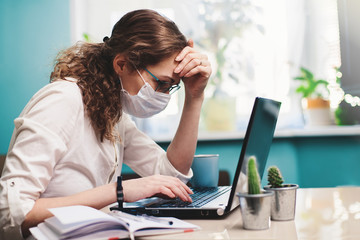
x: 206, y: 170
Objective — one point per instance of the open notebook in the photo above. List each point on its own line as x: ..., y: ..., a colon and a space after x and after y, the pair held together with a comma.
x: 82, y: 222
x: 215, y: 202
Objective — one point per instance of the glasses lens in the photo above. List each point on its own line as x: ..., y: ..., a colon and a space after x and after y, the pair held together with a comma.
x: 166, y: 87
x: 174, y: 88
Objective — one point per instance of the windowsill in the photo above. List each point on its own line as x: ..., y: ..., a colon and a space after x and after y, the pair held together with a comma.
x: 316, y: 131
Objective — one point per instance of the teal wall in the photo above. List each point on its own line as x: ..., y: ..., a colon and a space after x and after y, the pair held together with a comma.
x: 328, y: 162
x: 308, y: 161
x: 31, y: 34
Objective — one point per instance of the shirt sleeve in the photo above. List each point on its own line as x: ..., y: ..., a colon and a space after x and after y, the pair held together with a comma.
x: 146, y: 157
x: 39, y: 140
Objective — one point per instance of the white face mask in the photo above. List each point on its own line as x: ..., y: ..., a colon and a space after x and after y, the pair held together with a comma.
x: 146, y: 103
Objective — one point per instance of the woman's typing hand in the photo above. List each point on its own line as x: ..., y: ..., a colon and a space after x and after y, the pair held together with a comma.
x: 140, y: 188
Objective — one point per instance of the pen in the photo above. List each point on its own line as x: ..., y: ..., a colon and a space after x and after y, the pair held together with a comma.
x: 156, y: 219
x: 125, y: 216
x: 119, y: 192
x: 140, y: 218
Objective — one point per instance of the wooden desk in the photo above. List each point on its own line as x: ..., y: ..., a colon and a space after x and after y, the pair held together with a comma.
x: 321, y: 213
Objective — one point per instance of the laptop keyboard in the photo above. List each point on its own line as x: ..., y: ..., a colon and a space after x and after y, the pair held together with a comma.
x: 200, y: 197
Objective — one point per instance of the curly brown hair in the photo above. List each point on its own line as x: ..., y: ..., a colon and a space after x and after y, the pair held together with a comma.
x: 143, y: 37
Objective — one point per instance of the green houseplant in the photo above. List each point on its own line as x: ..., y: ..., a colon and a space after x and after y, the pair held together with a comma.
x: 309, y: 85
x: 284, y: 200
x: 255, y: 205
x: 316, y: 107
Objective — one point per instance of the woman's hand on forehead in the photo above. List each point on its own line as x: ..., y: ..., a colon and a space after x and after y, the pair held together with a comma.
x: 194, y: 68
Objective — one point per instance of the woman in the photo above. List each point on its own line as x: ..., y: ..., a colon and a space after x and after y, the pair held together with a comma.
x: 72, y: 138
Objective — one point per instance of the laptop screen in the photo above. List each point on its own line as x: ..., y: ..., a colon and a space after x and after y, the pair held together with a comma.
x: 257, y: 142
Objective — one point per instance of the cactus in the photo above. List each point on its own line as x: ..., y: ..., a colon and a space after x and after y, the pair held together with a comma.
x: 274, y: 177
x: 253, y: 177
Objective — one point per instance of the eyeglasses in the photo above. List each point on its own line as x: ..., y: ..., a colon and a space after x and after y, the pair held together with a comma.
x: 164, y: 86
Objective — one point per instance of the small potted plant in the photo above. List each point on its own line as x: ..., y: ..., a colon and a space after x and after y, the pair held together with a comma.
x: 255, y: 205
x: 315, y: 105
x: 284, y: 200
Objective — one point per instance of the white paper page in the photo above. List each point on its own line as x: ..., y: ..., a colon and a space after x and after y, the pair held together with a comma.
x: 35, y: 231
x: 48, y: 231
x: 76, y: 214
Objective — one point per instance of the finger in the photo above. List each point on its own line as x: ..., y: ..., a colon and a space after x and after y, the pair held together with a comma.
x: 181, y: 193
x: 186, y: 50
x: 201, y: 68
x: 186, y: 187
x: 194, y: 56
x: 186, y: 190
x: 166, y: 191
x: 172, y: 187
x: 190, y: 66
x: 190, y: 43
x: 177, y: 187
x: 186, y: 195
x: 198, y: 70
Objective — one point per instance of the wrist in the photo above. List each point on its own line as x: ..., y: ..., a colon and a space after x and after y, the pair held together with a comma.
x: 195, y: 100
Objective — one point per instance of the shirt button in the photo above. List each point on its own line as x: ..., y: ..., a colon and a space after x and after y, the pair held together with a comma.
x: 12, y: 184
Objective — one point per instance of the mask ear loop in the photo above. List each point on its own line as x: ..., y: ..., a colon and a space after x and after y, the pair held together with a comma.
x: 120, y: 82
x: 122, y: 86
x: 140, y: 75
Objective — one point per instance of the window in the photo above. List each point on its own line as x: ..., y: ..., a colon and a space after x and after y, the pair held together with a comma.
x: 256, y: 47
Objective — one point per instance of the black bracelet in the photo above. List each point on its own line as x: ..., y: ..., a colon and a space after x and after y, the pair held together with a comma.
x: 119, y: 192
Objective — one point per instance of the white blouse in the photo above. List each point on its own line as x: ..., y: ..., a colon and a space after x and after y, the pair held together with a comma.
x: 54, y: 152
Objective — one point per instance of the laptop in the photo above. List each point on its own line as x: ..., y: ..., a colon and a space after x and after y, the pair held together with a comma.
x: 216, y: 202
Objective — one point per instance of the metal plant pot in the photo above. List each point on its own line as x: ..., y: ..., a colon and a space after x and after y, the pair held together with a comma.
x: 255, y: 210
x: 283, y: 202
